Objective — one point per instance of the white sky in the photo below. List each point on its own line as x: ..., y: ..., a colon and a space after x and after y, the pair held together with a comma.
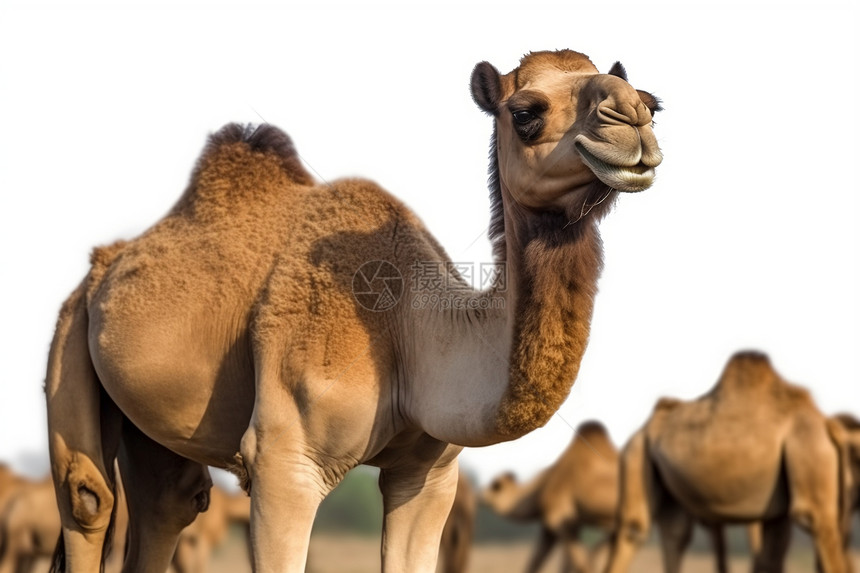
x: 748, y: 239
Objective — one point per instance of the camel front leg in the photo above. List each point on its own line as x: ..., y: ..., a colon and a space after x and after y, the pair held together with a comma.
x: 636, y: 504
x: 545, y: 543
x: 575, y: 556
x: 286, y: 487
x: 775, y: 538
x: 676, y: 530
x: 417, y: 500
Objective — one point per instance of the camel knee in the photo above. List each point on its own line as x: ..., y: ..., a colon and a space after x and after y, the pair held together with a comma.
x: 814, y: 521
x: 244, y: 459
x: 90, y: 497
x: 633, y: 530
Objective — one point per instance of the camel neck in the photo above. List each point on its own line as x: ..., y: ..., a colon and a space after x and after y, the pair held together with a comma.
x: 521, y: 503
x: 498, y: 374
x: 554, y: 266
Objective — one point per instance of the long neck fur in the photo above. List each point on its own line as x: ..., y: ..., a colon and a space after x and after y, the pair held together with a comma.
x: 554, y: 266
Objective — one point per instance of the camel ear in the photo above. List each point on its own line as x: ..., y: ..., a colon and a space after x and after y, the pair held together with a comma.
x: 618, y: 70
x: 651, y: 102
x: 487, y: 87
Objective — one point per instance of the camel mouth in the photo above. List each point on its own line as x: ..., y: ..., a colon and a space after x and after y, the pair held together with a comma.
x: 628, y: 178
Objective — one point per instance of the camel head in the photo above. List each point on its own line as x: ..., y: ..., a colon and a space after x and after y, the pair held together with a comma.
x: 565, y: 131
x: 500, y: 494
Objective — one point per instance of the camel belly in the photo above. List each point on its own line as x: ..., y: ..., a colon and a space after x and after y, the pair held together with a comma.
x: 737, y: 487
x: 186, y: 387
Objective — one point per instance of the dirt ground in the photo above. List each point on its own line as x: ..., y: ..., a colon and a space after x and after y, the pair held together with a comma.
x: 342, y: 554
x: 347, y: 554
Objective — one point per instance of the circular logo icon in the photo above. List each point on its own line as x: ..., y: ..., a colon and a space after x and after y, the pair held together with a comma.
x: 377, y: 285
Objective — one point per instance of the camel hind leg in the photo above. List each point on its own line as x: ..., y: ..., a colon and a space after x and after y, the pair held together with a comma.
x: 82, y: 428
x: 814, y: 470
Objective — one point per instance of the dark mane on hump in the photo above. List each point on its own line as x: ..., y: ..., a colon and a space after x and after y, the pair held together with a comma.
x: 591, y: 428
x: 264, y: 138
x: 849, y: 421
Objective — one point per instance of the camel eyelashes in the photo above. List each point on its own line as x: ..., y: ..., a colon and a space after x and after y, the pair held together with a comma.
x: 523, y: 116
x: 527, y: 124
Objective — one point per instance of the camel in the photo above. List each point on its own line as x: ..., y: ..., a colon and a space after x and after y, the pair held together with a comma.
x: 754, y: 448
x: 579, y: 489
x: 259, y: 326
x: 210, y: 529
x: 852, y: 432
x: 9, y: 483
x: 30, y: 525
x: 459, y: 529
x: 851, y: 426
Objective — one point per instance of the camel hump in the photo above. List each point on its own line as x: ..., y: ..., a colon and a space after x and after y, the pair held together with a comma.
x: 592, y: 429
x: 748, y: 368
x: 750, y: 357
x: 848, y: 421
x: 266, y: 139
x: 665, y: 404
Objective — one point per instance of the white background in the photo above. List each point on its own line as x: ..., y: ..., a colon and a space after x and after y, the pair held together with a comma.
x: 748, y: 239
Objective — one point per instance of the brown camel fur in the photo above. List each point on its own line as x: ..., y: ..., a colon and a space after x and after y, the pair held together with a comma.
x: 459, y: 529
x: 579, y: 489
x: 754, y: 448
x: 259, y: 326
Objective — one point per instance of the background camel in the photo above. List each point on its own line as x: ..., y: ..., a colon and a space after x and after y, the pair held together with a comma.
x: 257, y: 327
x: 852, y: 430
x: 30, y: 525
x: 459, y: 529
x: 580, y: 489
x: 9, y: 482
x: 851, y: 427
x: 755, y: 448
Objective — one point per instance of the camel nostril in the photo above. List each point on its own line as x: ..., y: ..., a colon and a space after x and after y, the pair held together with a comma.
x: 611, y: 115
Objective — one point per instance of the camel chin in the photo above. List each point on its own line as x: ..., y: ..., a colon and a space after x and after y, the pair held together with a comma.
x: 627, y: 178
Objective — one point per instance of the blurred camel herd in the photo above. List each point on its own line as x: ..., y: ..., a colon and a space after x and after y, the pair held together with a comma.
x: 30, y: 526
x: 754, y: 450
x: 258, y: 327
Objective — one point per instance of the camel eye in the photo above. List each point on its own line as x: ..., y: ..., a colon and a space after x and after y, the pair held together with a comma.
x: 524, y: 116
